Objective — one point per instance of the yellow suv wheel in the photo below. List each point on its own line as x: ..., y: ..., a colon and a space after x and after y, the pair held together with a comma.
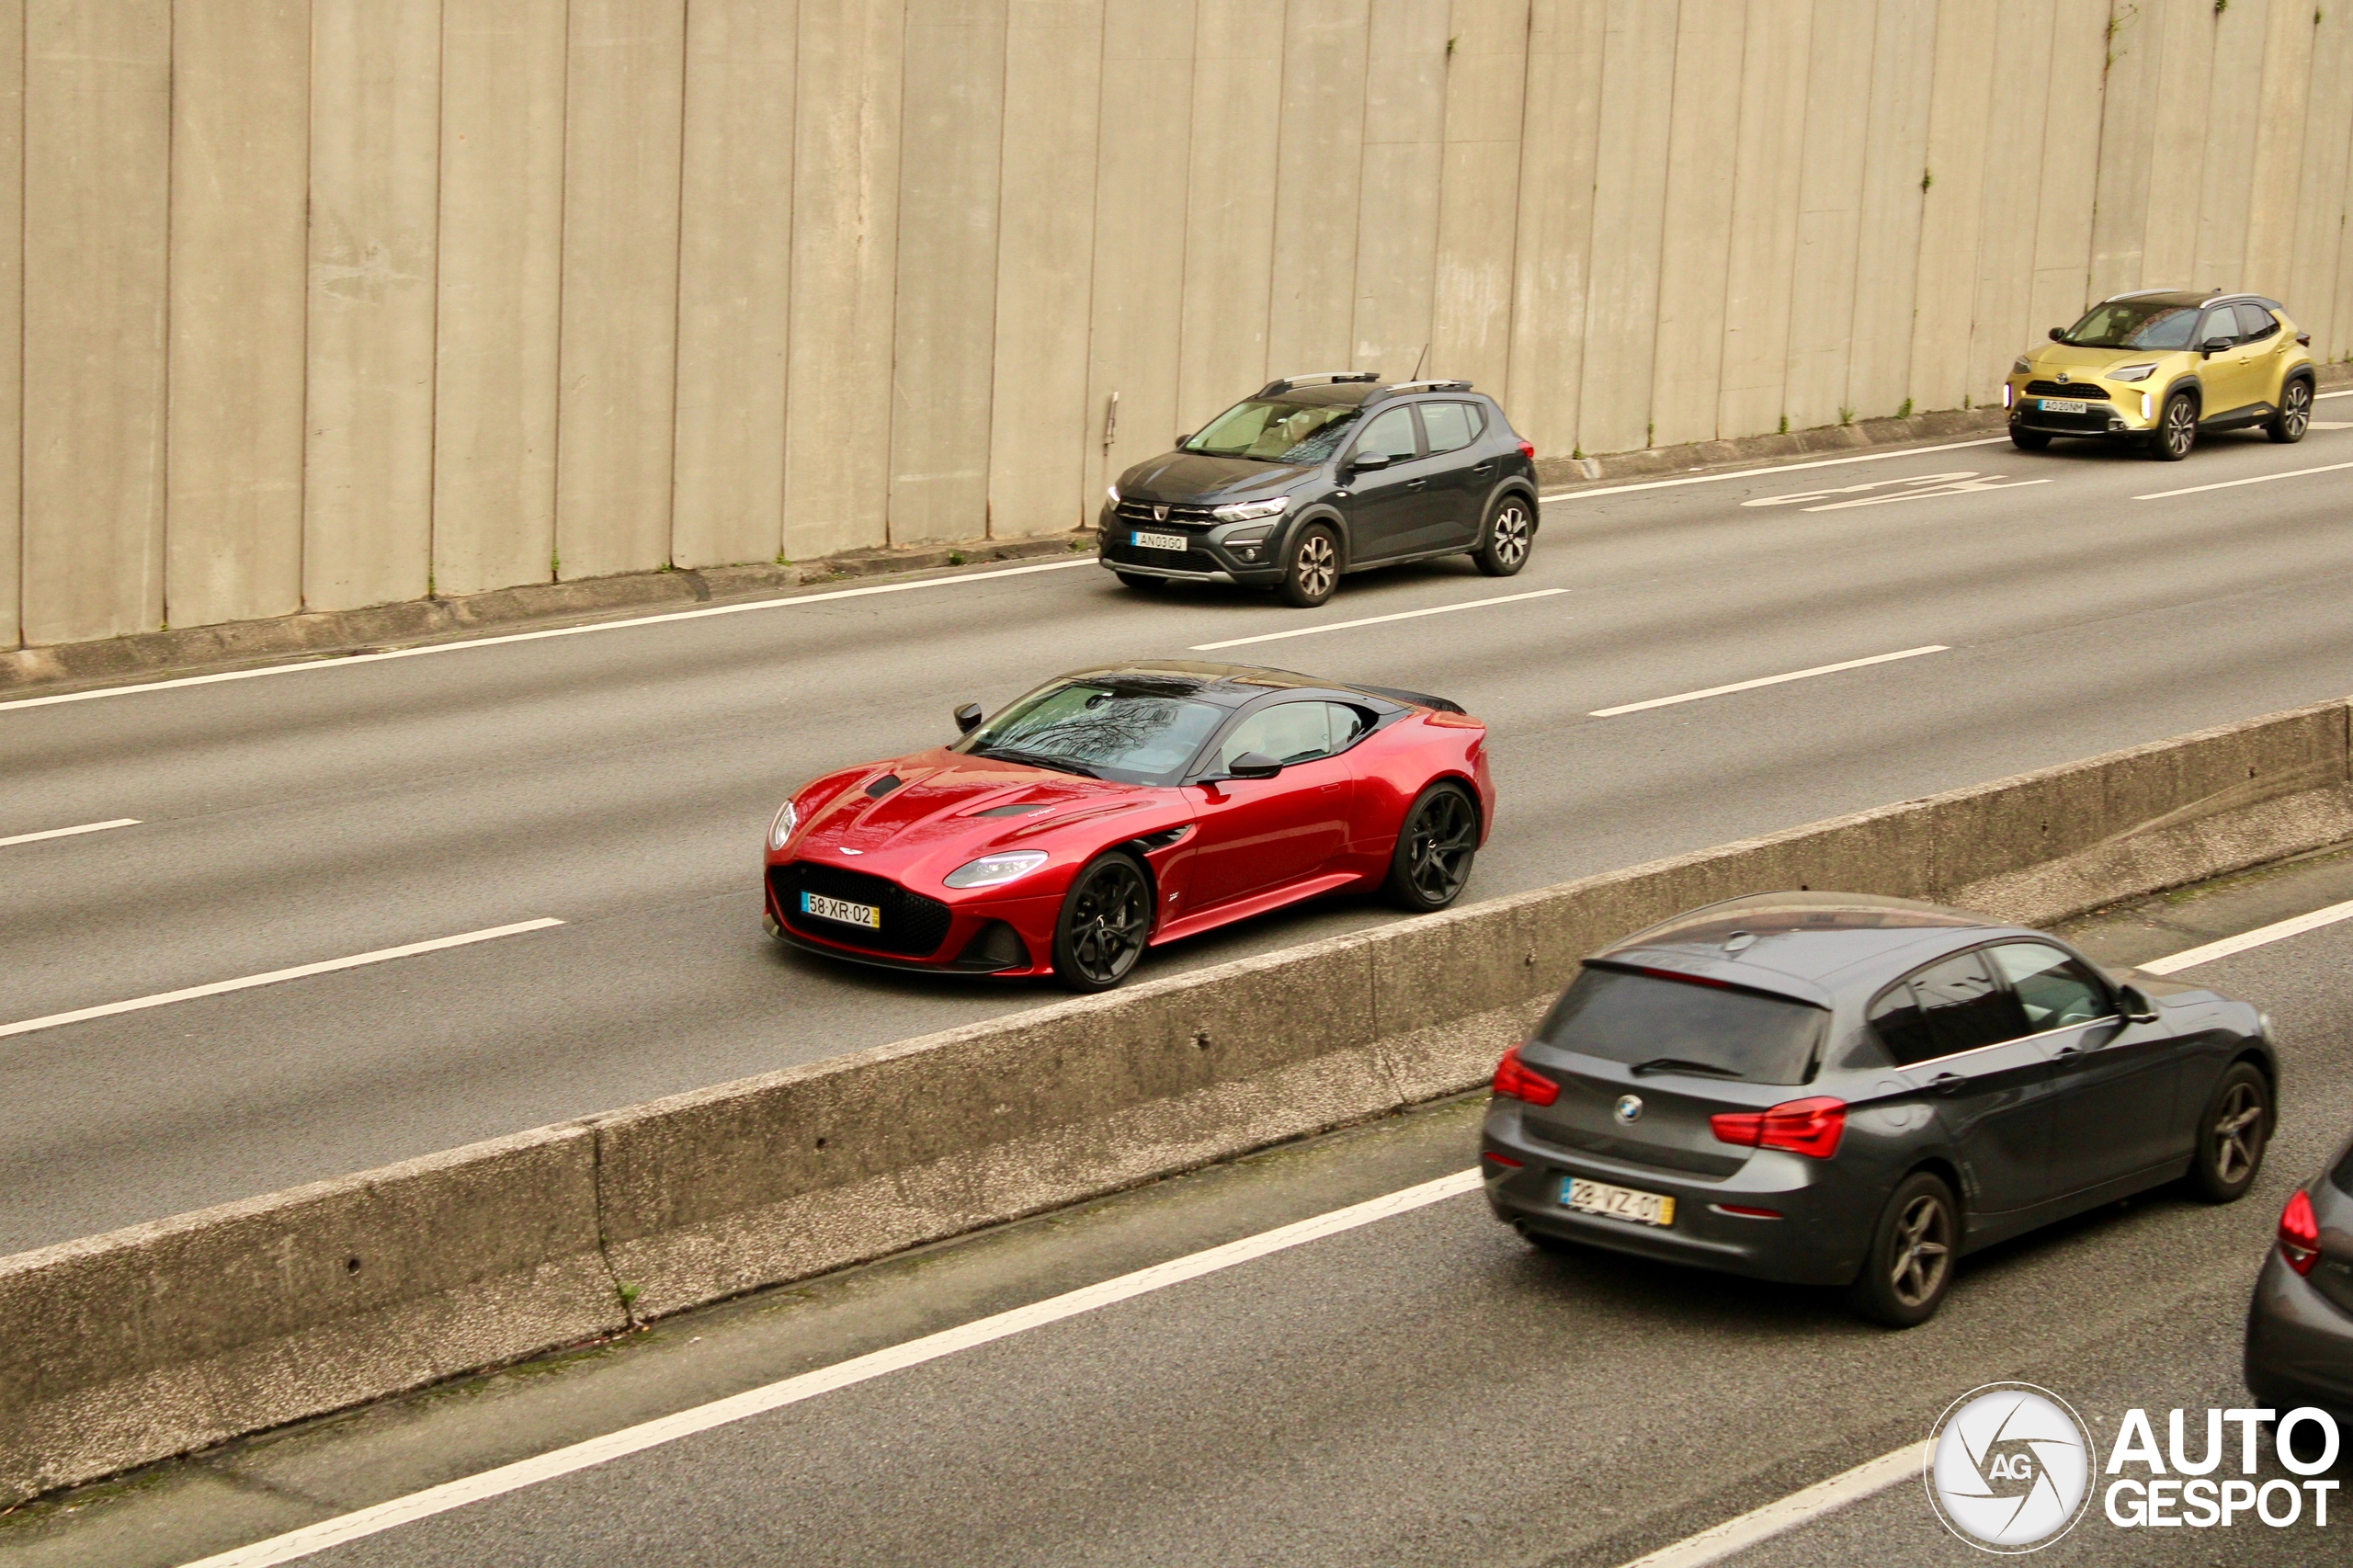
x: 2177, y: 429
x: 2295, y: 415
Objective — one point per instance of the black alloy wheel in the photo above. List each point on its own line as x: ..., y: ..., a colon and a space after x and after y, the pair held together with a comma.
x: 2231, y: 1134
x: 2027, y: 441
x: 1140, y: 580
x: 1910, y: 1264
x: 2176, y: 429
x: 2295, y: 415
x: 1313, y: 568
x: 1432, y: 860
x: 1105, y: 922
x: 1510, y: 533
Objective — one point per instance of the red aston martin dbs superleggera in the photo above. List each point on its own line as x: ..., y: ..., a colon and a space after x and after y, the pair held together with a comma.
x: 1116, y: 808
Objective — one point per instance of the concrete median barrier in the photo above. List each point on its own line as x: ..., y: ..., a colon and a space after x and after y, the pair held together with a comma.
x: 166, y: 1337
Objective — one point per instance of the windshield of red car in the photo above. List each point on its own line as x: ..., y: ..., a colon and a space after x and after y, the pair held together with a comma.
x: 1137, y: 732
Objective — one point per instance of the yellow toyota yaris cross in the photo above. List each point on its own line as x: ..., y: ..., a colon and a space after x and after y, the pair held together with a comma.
x: 2161, y: 366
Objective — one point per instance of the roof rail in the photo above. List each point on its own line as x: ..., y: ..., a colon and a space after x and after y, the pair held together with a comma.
x: 1282, y: 384
x: 1406, y: 389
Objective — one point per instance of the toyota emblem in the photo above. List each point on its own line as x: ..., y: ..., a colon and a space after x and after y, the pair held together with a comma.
x: 1629, y: 1109
x: 2062, y: 378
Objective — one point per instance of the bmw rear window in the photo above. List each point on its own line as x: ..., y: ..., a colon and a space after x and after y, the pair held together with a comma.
x: 1640, y: 1017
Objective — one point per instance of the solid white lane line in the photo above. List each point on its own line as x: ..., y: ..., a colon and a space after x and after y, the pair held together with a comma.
x: 1788, y: 1513
x: 1768, y: 680
x: 1891, y: 452
x: 69, y: 832
x: 1374, y: 621
x: 843, y: 1374
x: 221, y: 987
x: 352, y: 659
x: 2261, y: 936
x: 2322, y: 396
x: 2235, y: 483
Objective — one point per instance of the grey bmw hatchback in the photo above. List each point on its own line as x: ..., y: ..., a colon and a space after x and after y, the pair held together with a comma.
x: 1846, y: 1090
x: 2300, y: 1325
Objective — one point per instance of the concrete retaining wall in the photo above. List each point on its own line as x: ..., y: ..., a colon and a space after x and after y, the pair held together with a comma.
x: 165, y: 1337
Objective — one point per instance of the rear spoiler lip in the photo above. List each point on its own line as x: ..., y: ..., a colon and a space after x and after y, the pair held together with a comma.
x: 1418, y: 698
x: 1662, y: 964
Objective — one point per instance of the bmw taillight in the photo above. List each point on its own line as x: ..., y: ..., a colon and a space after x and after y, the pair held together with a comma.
x: 1515, y: 1081
x: 2299, y: 1233
x: 1809, y: 1126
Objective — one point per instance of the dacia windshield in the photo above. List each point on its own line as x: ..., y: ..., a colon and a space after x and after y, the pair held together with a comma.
x: 1276, y: 431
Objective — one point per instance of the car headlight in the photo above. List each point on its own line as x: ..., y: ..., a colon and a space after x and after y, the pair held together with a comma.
x: 990, y: 871
x: 1113, y: 492
x: 787, y: 819
x: 1237, y: 511
x: 2018, y: 366
x: 2131, y: 372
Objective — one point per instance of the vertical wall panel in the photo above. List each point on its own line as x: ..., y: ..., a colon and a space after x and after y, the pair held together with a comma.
x: 375, y: 136
x: 1560, y: 143
x: 2013, y: 191
x: 1765, y: 216
x: 1830, y: 211
x: 2277, y: 172
x: 2062, y: 224
x: 1041, y: 429
x: 844, y: 248
x: 2184, y: 76
x: 1955, y: 181
x: 2311, y: 296
x: 1139, y: 178
x: 1628, y: 205
x: 1478, y: 196
x: 952, y: 137
x: 1404, y: 137
x: 501, y: 263
x: 2233, y: 99
x: 97, y: 133
x: 2127, y: 132
x: 1229, y: 209
x: 1887, y: 264
x: 1703, y: 141
x: 616, y: 413
x: 12, y: 317
x: 1317, y: 190
x: 734, y: 272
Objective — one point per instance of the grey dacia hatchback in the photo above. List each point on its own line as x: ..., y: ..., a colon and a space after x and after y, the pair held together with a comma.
x: 1846, y: 1090
x: 1315, y: 476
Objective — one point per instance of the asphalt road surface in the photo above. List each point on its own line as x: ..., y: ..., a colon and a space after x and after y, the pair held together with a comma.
x: 1424, y: 1389
x: 619, y: 783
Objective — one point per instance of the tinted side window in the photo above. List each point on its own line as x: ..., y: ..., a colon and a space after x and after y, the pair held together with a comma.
x: 1450, y: 426
x: 1965, y: 1006
x: 1348, y: 724
x: 1288, y: 732
x: 2255, y: 322
x: 1392, y: 432
x: 2054, y: 990
x: 1895, y: 1019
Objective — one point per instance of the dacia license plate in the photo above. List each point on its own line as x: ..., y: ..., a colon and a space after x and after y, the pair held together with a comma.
x: 1618, y: 1202
x: 2065, y: 406
x: 841, y: 909
x: 1143, y: 541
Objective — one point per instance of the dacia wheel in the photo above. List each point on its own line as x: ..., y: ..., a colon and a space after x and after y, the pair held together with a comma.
x: 1909, y: 1267
x: 2027, y: 441
x: 1509, y: 534
x: 2295, y: 415
x: 2177, y: 429
x: 1432, y: 860
x: 2232, y: 1132
x: 1105, y: 922
x: 1140, y: 580
x: 1312, y: 570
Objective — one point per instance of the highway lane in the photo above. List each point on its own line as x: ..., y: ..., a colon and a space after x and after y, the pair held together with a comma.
x: 618, y: 781
x: 1424, y: 1389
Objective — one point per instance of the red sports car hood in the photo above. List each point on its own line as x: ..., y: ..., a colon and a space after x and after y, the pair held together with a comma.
x: 945, y: 799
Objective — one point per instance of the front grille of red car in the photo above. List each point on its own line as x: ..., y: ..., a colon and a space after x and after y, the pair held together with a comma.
x: 913, y: 926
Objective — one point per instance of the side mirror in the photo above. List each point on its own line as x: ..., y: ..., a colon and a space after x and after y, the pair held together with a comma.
x: 1253, y: 764
x: 2137, y: 1008
x: 1183, y: 437
x: 2058, y: 335
x: 2216, y: 345
x: 1369, y: 459
x: 968, y: 718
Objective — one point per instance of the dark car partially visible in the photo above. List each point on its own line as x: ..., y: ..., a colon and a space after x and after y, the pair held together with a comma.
x: 2300, y: 1325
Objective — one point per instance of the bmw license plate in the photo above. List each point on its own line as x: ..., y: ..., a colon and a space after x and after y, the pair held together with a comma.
x: 1143, y: 541
x: 2065, y: 406
x: 1618, y: 1202
x: 841, y: 909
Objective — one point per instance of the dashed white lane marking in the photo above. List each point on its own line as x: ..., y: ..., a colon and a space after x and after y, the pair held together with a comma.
x: 68, y: 832
x: 1768, y: 680
x: 2235, y: 483
x: 1916, y: 487
x: 1375, y: 619
x: 222, y: 987
x: 842, y: 1374
x: 2294, y: 926
x: 1788, y: 1513
x: 350, y: 660
x: 1891, y: 454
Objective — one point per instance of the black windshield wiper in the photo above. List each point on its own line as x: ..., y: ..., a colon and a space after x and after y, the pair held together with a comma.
x: 1679, y: 1065
x: 1037, y: 759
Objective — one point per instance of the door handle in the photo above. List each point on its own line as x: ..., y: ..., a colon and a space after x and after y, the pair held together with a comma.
x: 2069, y: 1051
x: 1481, y: 468
x: 1416, y: 483
x: 1946, y: 1083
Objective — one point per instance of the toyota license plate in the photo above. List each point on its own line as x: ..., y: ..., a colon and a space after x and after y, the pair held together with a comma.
x: 841, y: 909
x: 1143, y: 541
x: 1618, y: 1202
x: 2065, y: 406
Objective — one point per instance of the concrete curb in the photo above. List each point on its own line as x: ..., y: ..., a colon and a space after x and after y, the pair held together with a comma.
x: 171, y: 1336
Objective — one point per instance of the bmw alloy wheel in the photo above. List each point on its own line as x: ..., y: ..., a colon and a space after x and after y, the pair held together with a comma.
x: 2238, y: 1134
x: 1923, y: 1250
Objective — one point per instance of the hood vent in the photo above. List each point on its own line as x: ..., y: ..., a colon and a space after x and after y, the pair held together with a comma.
x: 882, y: 786
x: 1012, y: 811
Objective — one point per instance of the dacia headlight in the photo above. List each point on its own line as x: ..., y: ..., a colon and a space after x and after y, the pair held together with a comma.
x: 1241, y: 511
x: 2018, y: 366
x: 2131, y: 372
x: 995, y: 871
x: 787, y: 819
x: 1113, y: 492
